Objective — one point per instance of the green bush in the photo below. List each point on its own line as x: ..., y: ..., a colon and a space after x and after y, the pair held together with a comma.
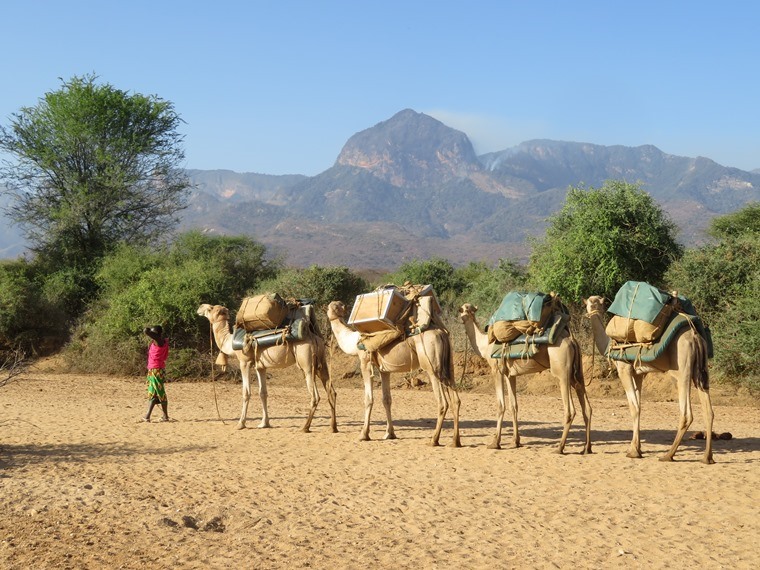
x: 142, y: 288
x: 320, y: 284
x: 721, y: 281
x: 485, y: 286
x: 602, y: 238
x: 30, y: 317
x: 438, y: 272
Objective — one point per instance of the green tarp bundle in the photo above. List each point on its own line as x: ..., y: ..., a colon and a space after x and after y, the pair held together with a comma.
x: 639, y: 300
x: 650, y: 352
x: 520, y: 306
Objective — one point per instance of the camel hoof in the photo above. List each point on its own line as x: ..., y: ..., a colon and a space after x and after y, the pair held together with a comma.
x: 634, y: 454
x: 365, y: 438
x: 516, y: 444
x: 265, y: 426
x: 587, y: 451
x: 434, y: 444
x: 708, y: 460
x: 560, y: 452
x: 666, y: 458
x: 494, y: 446
x: 390, y: 436
x: 240, y: 426
x: 334, y: 429
x: 305, y: 430
x: 455, y: 443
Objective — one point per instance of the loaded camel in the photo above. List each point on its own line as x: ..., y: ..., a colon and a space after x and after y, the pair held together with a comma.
x: 685, y: 359
x: 562, y: 359
x: 307, y: 354
x: 430, y: 350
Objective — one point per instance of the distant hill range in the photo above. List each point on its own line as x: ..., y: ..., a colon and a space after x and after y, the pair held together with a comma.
x: 411, y: 188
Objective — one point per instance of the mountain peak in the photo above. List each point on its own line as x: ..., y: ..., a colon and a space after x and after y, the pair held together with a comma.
x: 411, y: 149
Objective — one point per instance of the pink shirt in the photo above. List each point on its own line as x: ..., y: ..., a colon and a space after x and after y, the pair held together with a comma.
x: 157, y: 355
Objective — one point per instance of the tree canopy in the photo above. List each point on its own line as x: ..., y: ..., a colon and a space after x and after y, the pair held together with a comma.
x: 94, y: 166
x: 600, y: 239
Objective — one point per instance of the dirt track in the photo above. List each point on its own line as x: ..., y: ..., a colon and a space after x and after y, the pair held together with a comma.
x: 85, y: 485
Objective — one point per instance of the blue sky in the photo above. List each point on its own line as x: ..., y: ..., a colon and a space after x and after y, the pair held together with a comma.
x: 278, y: 87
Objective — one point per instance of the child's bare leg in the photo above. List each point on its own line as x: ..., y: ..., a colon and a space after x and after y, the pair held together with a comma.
x: 165, y: 409
x: 151, y: 403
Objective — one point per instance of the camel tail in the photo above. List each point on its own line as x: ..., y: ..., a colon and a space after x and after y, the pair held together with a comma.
x: 447, y: 373
x: 699, y: 373
x: 577, y: 378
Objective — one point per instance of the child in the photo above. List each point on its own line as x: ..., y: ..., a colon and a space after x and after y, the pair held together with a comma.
x: 157, y: 355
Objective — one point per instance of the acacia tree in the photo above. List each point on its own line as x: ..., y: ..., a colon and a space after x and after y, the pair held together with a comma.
x: 94, y: 166
x: 600, y: 239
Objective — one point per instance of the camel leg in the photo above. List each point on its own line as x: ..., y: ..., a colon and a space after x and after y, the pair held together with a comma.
x: 443, y: 406
x: 245, y: 372
x: 261, y: 374
x: 332, y: 396
x: 311, y: 387
x: 385, y: 384
x: 456, y: 402
x: 512, y: 394
x: 625, y: 372
x: 685, y: 416
x: 585, y: 404
x: 368, y: 399
x: 707, y: 413
x: 499, y: 385
x: 569, y: 410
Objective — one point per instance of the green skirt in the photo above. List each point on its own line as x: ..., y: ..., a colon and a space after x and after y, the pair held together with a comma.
x: 155, y: 384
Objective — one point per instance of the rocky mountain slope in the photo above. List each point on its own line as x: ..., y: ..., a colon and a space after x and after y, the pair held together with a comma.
x: 411, y: 187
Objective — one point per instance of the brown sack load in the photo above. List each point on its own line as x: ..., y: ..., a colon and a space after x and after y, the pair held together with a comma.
x: 261, y: 312
x: 623, y: 329
x: 507, y: 331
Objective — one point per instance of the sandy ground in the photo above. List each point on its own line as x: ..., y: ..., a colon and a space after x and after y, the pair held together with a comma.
x: 85, y: 485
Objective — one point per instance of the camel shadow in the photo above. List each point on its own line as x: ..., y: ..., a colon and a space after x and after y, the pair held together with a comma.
x: 425, y: 423
x: 22, y: 455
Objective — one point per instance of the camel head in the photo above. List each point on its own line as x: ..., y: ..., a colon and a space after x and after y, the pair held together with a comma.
x: 467, y: 312
x: 595, y: 305
x: 336, y: 310
x: 214, y: 313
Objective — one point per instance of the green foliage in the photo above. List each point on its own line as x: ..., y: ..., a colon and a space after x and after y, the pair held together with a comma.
x: 29, y: 311
x: 95, y: 166
x: 485, y: 286
x: 436, y: 271
x: 744, y: 222
x: 736, y: 338
x: 721, y: 281
x: 320, y: 284
x: 602, y: 238
x: 142, y: 288
x: 713, y: 276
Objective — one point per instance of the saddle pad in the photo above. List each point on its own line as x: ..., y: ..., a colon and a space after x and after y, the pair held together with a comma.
x: 650, y: 352
x: 525, y: 346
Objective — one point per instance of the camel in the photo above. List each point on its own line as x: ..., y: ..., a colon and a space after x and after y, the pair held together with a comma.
x: 685, y: 359
x: 430, y: 350
x: 308, y: 355
x: 562, y: 359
